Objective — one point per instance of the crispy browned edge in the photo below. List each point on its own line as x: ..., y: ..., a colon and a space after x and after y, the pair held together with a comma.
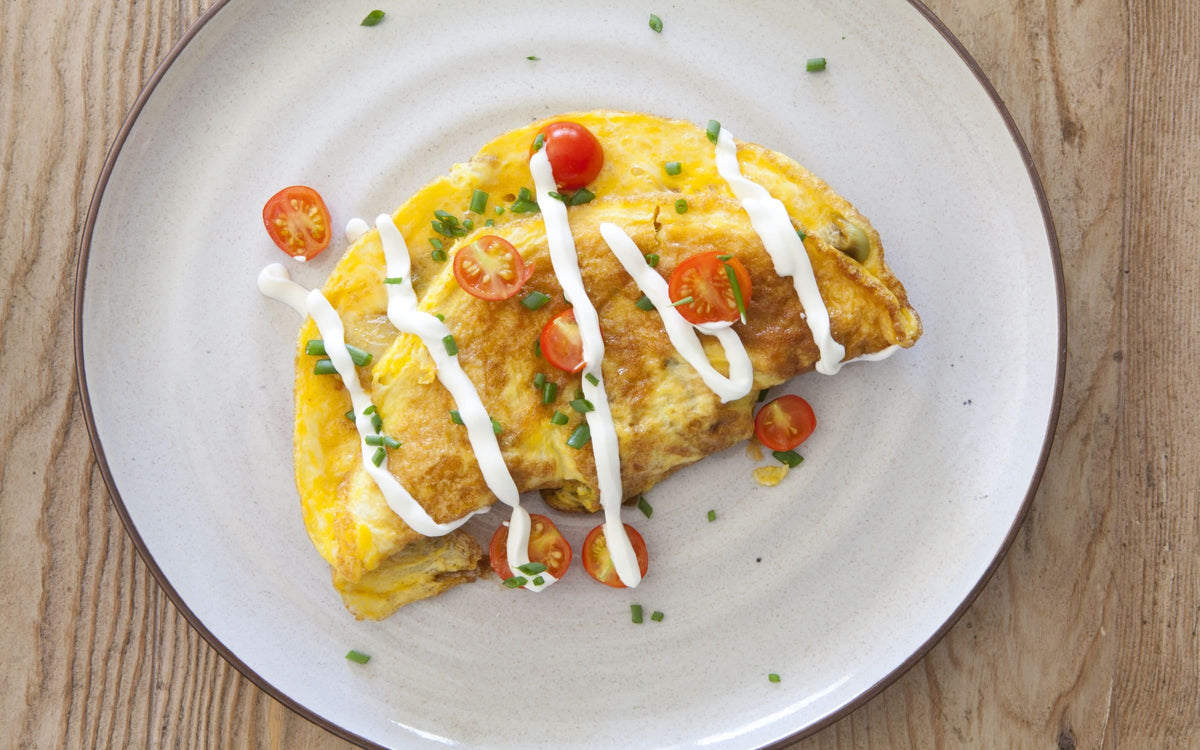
x: 229, y: 656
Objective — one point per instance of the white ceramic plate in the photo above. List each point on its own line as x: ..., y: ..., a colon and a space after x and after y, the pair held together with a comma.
x: 837, y: 580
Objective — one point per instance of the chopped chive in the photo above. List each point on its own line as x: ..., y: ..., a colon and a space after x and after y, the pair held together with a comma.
x: 372, y: 18
x: 549, y: 392
x: 532, y: 568
x: 360, y: 357
x: 515, y: 582
x: 737, y: 291
x: 370, y: 410
x: 496, y: 428
x: 656, y: 23
x: 591, y: 378
x: 447, y: 218
x: 359, y: 657
x: 773, y: 677
x: 582, y: 405
x: 479, y: 201
x: 724, y: 257
x: 656, y: 616
x: 448, y: 342
x: 714, y: 130
x: 644, y: 303
x: 524, y: 203
x: 468, y: 223
x: 558, y: 418
x: 539, y: 142
x: 652, y: 260
x: 673, y: 167
x: 324, y: 367
x: 581, y: 196
x: 791, y: 458
x: 440, y: 228
x: 393, y: 279
x: 578, y: 393
x: 490, y: 223
x: 499, y: 210
x: 380, y: 454
x: 350, y: 415
x: 681, y: 206
x: 539, y: 380
x: 455, y: 417
x: 390, y: 442
x: 438, y: 255
x: 436, y: 242
x: 801, y: 234
x: 762, y: 395
x: 535, y: 299
x: 537, y: 347
x: 580, y: 436
x: 644, y: 506
x: 712, y: 516
x: 685, y: 301
x: 440, y: 317
x: 815, y: 64
x: 636, y: 611
x: 373, y: 440
x: 377, y: 422
x: 535, y: 58
x: 315, y: 347
x: 558, y: 196
x: 538, y: 581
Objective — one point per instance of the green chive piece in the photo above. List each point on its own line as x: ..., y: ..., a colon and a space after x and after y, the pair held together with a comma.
x: 656, y: 23
x: 724, y: 257
x: 390, y: 442
x: 714, y: 130
x: 440, y: 317
x: 791, y: 458
x: 447, y: 218
x: 372, y: 18
x: 515, y: 582
x: 468, y: 224
x: 535, y: 58
x: 581, y: 196
x: 535, y: 300
x: 359, y: 657
x: 350, y: 415
x: 591, y: 378
x: 360, y: 357
x: 496, y: 428
x: 532, y: 568
x: 315, y: 347
x: 451, y: 347
x: 737, y: 291
x: 578, y: 393
x: 479, y: 200
x: 370, y: 410
x: 525, y: 203
x: 558, y: 196
x: 802, y: 235
x: 558, y: 418
x: 656, y: 616
x: 539, y: 142
x: 380, y: 454
x: 538, y: 581
x: 499, y: 210
x: 490, y: 223
x: 673, y: 167
x: 324, y: 367
x: 374, y: 440
x: 377, y: 422
x: 644, y: 506
x: 636, y: 611
x: 712, y: 516
x: 681, y: 206
x: 440, y: 228
x: 539, y: 380
x: 645, y: 304
x: 436, y: 242
x: 549, y: 392
x: 762, y: 395
x: 537, y: 347
x: 815, y: 64
x: 582, y: 405
x: 580, y: 436
x: 773, y: 677
x: 652, y: 260
x: 393, y: 279
x: 438, y: 255
x: 455, y: 417
x: 685, y: 301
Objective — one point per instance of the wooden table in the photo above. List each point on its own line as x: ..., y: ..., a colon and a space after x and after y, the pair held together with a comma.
x: 1088, y: 635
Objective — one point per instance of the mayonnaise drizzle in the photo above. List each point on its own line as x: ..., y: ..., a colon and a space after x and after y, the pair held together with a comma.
x: 680, y: 331
x: 565, y: 260
x: 770, y: 220
x: 275, y: 282
x: 355, y: 229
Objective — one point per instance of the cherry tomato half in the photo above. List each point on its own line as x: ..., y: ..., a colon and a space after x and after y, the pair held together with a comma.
x: 598, y: 562
x: 562, y: 344
x: 491, y: 268
x: 703, y: 278
x: 574, y: 153
x: 546, y: 545
x: 298, y: 221
x: 783, y: 423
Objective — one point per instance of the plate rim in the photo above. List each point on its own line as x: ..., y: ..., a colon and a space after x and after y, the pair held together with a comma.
x: 329, y: 725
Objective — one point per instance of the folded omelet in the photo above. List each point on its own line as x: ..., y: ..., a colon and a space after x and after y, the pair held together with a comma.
x: 665, y: 416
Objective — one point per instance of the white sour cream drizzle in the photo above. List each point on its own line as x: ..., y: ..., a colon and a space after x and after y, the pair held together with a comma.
x: 355, y: 229
x: 680, y: 331
x: 770, y: 220
x: 564, y: 259
x: 274, y: 282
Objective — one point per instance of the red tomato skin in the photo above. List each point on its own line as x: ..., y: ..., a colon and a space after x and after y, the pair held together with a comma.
x: 498, y: 549
x: 704, y: 275
x: 298, y: 222
x: 784, y: 423
x: 601, y: 569
x: 575, y: 153
x: 561, y: 343
x: 494, y: 287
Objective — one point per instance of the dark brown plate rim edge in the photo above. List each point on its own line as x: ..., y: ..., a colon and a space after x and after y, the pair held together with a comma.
x: 263, y: 684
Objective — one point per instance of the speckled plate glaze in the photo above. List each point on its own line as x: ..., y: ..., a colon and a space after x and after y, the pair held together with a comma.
x: 837, y: 580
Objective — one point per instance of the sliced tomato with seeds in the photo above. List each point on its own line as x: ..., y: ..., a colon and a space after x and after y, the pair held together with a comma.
x: 298, y: 221
x: 597, y: 560
x: 562, y: 343
x: 546, y: 546
x: 703, y: 278
x: 784, y: 423
x: 575, y: 154
x: 491, y: 268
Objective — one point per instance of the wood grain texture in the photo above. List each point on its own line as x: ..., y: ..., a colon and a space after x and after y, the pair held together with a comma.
x: 1088, y: 635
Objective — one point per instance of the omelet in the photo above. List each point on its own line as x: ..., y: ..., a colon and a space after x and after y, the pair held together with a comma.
x: 665, y: 416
